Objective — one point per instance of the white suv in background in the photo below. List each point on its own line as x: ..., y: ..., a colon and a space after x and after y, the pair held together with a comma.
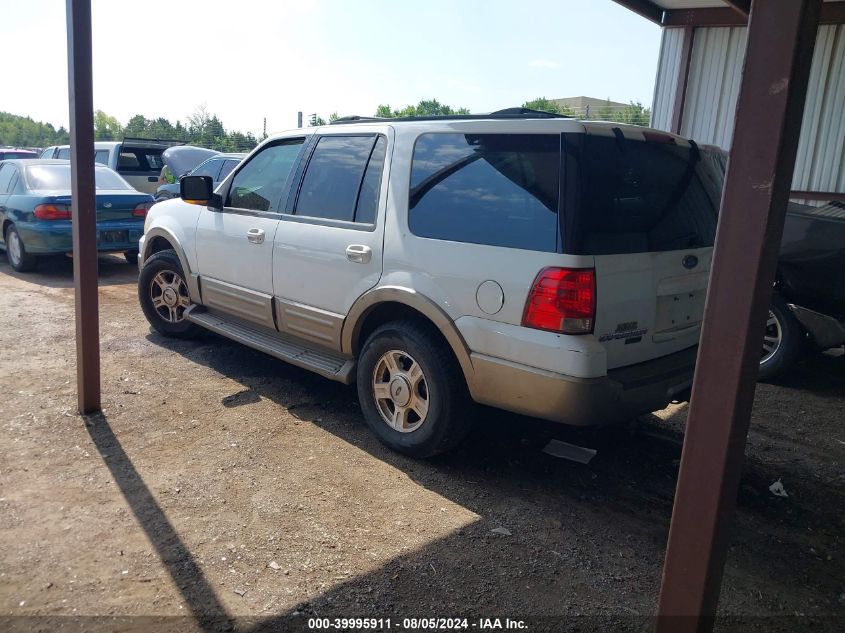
x: 540, y: 264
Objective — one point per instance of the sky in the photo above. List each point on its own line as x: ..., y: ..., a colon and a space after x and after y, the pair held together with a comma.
x: 251, y: 59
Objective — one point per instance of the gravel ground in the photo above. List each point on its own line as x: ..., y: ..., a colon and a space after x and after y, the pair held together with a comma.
x: 222, y: 484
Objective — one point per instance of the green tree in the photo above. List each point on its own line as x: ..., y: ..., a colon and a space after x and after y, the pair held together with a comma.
x: 106, y: 128
x: 547, y: 105
x: 634, y: 113
x: 22, y: 131
x: 138, y: 125
x: 426, y: 107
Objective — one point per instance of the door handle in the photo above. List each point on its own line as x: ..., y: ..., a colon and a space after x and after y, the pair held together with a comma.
x: 359, y: 254
x: 255, y: 236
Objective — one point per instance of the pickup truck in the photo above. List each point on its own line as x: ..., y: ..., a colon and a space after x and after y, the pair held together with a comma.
x: 138, y: 161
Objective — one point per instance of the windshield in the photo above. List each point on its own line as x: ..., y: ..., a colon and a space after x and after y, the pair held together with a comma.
x: 57, y: 178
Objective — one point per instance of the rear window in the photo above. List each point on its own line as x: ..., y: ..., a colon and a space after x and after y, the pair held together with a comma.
x: 57, y: 178
x: 11, y: 155
x: 630, y: 196
x: 494, y: 189
x: 139, y: 159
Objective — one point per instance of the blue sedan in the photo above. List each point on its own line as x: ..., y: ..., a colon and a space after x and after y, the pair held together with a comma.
x: 35, y: 215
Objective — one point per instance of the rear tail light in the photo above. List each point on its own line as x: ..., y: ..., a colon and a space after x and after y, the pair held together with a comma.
x: 140, y: 211
x: 52, y: 212
x: 562, y: 300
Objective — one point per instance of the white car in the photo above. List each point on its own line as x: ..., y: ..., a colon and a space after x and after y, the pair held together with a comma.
x: 540, y: 264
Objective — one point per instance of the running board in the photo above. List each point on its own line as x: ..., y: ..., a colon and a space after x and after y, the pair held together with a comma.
x: 328, y: 364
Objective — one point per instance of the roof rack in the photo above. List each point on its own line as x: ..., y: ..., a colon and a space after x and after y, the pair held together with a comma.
x: 507, y: 113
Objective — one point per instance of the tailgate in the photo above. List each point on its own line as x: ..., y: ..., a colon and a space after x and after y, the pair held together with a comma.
x: 650, y: 304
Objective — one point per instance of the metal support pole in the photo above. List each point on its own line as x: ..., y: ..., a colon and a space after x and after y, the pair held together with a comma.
x: 781, y: 37
x: 83, y: 207
x: 683, y: 78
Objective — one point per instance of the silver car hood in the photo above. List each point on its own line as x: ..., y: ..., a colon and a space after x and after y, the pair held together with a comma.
x: 183, y: 158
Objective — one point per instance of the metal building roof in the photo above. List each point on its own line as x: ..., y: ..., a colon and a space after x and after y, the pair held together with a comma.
x: 681, y: 13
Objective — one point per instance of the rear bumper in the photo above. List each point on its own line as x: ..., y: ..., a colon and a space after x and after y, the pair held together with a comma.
x: 622, y: 394
x: 43, y: 238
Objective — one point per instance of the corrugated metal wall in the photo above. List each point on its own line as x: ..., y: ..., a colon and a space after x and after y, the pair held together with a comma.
x: 713, y: 86
x: 821, y: 165
x: 667, y: 79
x: 712, y: 91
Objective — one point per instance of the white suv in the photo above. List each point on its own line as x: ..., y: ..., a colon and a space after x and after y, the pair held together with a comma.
x: 543, y: 265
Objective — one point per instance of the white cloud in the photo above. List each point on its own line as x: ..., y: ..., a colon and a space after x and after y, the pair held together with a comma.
x: 544, y: 63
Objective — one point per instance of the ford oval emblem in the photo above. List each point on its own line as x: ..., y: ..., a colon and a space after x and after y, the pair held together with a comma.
x: 107, y: 205
x: 690, y: 262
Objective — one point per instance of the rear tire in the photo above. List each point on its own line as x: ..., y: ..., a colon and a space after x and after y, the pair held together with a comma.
x: 783, y: 340
x: 163, y: 294
x: 131, y: 257
x: 412, y: 390
x: 16, y: 253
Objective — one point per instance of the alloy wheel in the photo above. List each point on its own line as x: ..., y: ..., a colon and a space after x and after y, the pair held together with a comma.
x: 400, y: 391
x: 772, y: 338
x: 169, y: 295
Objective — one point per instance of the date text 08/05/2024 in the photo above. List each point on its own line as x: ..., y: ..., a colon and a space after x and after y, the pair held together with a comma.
x: 416, y: 624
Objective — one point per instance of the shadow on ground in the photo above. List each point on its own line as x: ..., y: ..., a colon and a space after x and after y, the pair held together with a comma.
x: 56, y: 271
x: 613, y: 511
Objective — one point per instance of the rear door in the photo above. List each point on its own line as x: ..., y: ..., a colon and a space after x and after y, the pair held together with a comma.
x: 646, y: 208
x: 328, y: 248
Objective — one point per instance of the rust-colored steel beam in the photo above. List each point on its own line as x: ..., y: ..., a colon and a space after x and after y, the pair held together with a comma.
x: 757, y: 189
x: 83, y: 206
x: 832, y: 13
x: 723, y: 16
x: 741, y: 6
x: 643, y: 8
x: 683, y: 79
x: 824, y: 196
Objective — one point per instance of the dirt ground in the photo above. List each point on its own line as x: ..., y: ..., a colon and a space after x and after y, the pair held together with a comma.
x: 225, y: 485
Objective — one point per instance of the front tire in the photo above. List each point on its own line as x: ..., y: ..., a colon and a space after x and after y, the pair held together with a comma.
x: 783, y: 340
x: 163, y: 294
x: 131, y: 257
x: 16, y: 253
x: 412, y: 390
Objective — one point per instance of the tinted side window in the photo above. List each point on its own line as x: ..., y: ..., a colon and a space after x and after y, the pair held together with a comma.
x: 6, y: 172
x: 368, y: 198
x: 15, y: 185
x: 101, y: 156
x: 63, y: 153
x: 208, y: 168
x: 495, y: 189
x: 334, y: 177
x: 228, y: 166
x: 642, y: 196
x: 260, y: 183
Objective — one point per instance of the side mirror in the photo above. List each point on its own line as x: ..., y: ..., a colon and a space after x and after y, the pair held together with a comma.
x: 199, y: 190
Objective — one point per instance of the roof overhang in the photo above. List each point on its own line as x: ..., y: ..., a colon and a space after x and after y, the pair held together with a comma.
x: 694, y: 13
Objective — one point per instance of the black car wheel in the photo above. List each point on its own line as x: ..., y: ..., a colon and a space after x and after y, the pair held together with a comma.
x: 16, y: 253
x: 783, y: 340
x: 131, y: 257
